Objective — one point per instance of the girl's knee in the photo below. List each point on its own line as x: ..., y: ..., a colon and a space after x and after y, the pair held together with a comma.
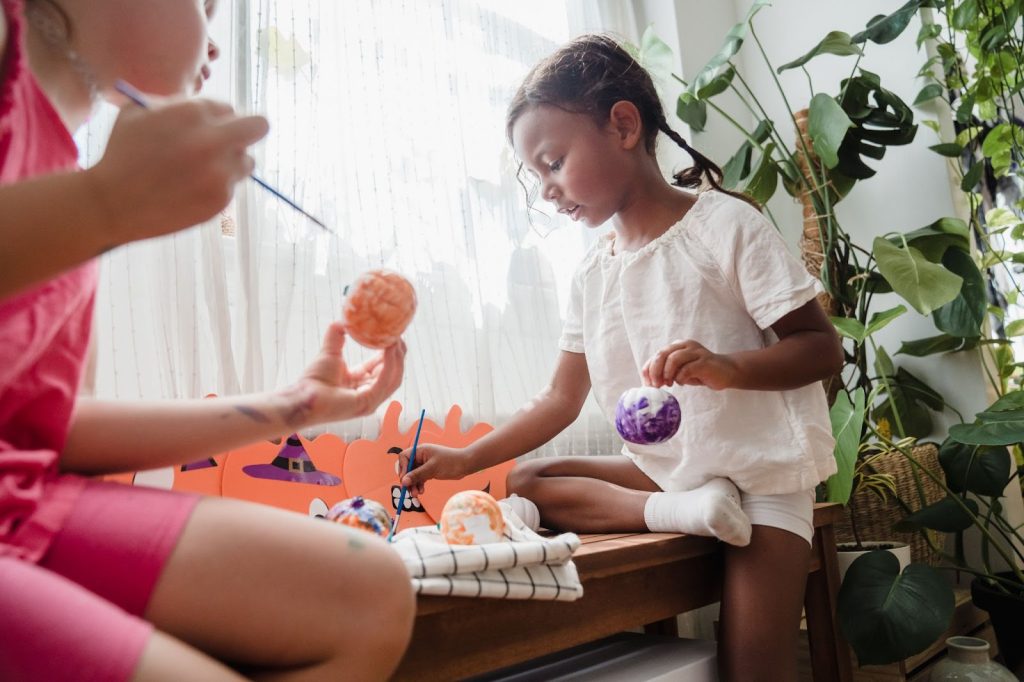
x: 523, y: 477
x: 391, y: 590
x: 372, y: 596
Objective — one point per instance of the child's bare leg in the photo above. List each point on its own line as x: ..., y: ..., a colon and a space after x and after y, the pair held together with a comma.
x: 281, y: 596
x: 607, y: 494
x: 166, y: 658
x: 585, y: 494
x: 762, y: 596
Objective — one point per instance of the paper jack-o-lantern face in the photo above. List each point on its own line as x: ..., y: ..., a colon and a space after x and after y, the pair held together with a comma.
x: 296, y: 474
x: 491, y: 480
x: 371, y: 469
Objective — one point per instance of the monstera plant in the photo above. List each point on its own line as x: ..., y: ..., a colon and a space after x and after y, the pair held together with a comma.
x: 937, y: 271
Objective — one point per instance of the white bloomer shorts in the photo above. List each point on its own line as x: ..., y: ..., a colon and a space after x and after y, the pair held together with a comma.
x: 793, y: 511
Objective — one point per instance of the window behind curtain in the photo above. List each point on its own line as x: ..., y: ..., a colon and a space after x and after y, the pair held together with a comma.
x: 387, y: 122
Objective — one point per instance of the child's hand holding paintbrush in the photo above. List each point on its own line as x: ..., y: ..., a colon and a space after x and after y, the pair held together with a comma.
x: 234, y: 131
x: 162, y: 171
x: 171, y: 167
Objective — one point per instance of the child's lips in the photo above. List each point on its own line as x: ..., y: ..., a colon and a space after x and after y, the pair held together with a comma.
x: 573, y: 212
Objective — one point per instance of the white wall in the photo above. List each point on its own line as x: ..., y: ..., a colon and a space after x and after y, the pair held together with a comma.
x: 911, y: 188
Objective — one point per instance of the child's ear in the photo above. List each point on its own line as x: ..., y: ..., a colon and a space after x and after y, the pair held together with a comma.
x: 624, y: 120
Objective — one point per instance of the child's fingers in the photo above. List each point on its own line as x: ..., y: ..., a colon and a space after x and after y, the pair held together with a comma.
x: 389, y: 377
x: 676, y: 361
x: 218, y: 108
x: 403, y: 464
x: 418, y: 476
x: 334, y: 339
x: 243, y: 131
x: 370, y: 369
x: 655, y: 369
x: 645, y: 375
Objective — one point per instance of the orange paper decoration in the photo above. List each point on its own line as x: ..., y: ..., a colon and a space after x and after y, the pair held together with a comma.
x: 204, y: 477
x: 245, y: 477
x: 312, y: 476
x: 490, y: 480
x: 378, y: 307
x: 371, y: 468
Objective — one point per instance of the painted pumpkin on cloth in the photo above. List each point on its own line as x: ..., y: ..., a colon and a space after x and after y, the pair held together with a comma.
x: 359, y: 512
x: 472, y: 517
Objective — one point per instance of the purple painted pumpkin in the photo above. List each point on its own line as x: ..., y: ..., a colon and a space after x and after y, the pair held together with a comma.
x: 647, y: 415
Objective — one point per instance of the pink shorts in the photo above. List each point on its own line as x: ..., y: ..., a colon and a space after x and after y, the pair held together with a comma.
x: 79, y: 613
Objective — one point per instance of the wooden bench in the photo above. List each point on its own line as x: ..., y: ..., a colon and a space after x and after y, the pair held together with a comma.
x: 629, y: 580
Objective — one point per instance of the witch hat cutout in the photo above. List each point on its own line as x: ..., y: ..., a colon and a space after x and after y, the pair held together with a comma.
x: 292, y: 464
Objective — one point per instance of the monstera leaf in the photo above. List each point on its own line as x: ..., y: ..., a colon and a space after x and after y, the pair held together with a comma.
x: 879, y: 118
x: 923, y: 284
x: 908, y: 402
x: 978, y: 469
x: 888, y: 616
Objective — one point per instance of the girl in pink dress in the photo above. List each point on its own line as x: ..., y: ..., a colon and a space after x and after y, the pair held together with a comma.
x: 100, y: 581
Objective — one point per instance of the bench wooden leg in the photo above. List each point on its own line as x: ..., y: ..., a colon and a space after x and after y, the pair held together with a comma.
x: 667, y: 626
x: 830, y: 654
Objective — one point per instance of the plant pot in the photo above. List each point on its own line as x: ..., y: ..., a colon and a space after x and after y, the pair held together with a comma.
x: 875, y: 518
x: 847, y: 553
x: 1007, y: 614
x: 969, y: 661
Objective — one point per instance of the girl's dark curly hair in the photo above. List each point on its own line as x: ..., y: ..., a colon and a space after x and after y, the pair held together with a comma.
x: 588, y: 76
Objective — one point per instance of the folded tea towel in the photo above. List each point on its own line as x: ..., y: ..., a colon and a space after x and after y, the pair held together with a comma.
x: 525, y: 566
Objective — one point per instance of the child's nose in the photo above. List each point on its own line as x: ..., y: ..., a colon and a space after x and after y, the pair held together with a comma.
x: 212, y: 49
x: 550, y: 191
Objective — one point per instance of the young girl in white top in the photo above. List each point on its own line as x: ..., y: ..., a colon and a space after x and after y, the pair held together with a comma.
x: 693, y: 292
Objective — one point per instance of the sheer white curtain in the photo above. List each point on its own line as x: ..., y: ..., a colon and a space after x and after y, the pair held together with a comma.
x: 387, y: 123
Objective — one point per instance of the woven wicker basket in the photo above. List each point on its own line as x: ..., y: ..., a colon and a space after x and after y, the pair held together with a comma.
x: 876, y: 518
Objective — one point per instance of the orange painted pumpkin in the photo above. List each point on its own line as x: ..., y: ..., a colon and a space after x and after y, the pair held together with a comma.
x: 378, y: 307
x: 472, y: 517
x: 359, y: 512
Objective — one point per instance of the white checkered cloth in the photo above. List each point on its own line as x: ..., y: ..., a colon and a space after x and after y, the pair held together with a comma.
x: 525, y: 566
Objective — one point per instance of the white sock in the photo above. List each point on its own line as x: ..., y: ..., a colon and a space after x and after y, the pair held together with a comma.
x: 712, y: 509
x: 525, y: 509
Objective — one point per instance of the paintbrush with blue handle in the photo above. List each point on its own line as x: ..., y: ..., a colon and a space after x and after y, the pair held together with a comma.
x: 134, y: 95
x: 408, y: 468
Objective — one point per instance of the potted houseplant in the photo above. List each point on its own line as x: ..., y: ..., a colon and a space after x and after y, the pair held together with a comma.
x: 838, y: 138
x: 975, y: 70
x: 887, y: 613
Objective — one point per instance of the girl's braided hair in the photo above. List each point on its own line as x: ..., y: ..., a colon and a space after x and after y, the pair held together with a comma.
x: 588, y: 76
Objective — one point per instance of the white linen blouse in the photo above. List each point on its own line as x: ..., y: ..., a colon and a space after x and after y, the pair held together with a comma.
x: 721, y: 276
